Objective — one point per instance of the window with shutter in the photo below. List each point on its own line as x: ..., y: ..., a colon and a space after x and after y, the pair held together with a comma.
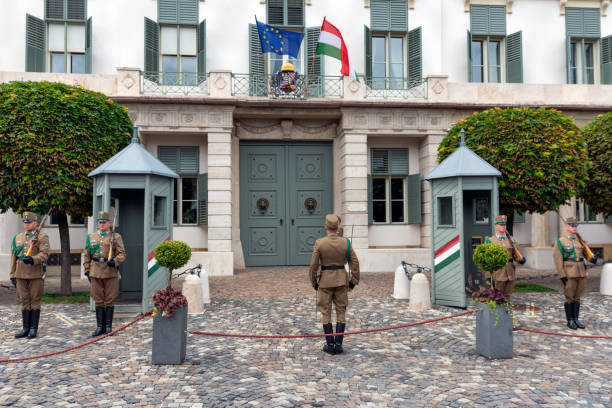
x: 606, y: 60
x: 184, y: 160
x: 288, y: 13
x: 151, y: 50
x: 258, y: 82
x: 35, y: 44
x: 316, y: 84
x: 583, y: 29
x: 203, y: 199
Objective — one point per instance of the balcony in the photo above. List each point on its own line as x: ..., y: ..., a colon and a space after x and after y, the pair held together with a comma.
x: 275, y: 87
x: 387, y: 88
x: 186, y: 83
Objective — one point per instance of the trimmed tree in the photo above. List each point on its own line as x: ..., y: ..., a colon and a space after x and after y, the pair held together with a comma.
x: 540, y: 153
x: 51, y: 136
x: 598, y: 191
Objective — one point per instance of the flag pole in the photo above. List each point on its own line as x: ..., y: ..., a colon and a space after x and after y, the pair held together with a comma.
x: 314, y: 55
x: 264, y: 59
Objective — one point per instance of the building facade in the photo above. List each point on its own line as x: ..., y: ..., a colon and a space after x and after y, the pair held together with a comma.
x: 260, y: 167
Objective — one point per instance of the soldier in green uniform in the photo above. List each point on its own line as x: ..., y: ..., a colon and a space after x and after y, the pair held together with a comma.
x: 101, y: 270
x: 333, y: 284
x: 568, y: 256
x: 504, y: 278
x: 27, y: 272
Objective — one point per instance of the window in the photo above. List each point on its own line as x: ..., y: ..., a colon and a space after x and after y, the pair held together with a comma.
x: 481, y: 210
x: 185, y: 201
x: 589, y: 57
x: 73, y: 221
x: 389, y: 199
x: 159, y: 211
x: 445, y: 211
x: 179, y: 52
x: 493, y: 56
x: 585, y: 215
x: 285, y: 12
x: 61, y: 43
x: 582, y: 62
x: 388, y: 67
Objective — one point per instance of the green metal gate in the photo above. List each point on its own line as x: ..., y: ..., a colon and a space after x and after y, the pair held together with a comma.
x: 285, y: 193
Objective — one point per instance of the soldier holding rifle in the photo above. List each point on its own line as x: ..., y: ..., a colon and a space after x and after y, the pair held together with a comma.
x: 569, y: 254
x: 104, y: 252
x: 29, y: 251
x: 505, y: 278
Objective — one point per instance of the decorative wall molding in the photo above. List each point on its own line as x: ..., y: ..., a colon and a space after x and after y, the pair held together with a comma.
x: 507, y: 3
x: 394, y: 121
x: 285, y: 129
x: 186, y: 118
x: 601, y: 4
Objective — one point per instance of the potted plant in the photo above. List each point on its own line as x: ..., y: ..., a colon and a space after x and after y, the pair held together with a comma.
x: 170, y: 308
x: 495, y: 317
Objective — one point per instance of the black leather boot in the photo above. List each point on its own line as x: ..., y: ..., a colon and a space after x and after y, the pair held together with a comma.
x: 339, y: 329
x: 569, y: 315
x: 99, y: 321
x: 34, y: 319
x: 25, y: 318
x: 329, y: 347
x: 576, y: 314
x: 109, y: 319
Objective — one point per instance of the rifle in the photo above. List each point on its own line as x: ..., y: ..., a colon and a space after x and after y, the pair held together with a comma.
x: 517, y: 255
x: 35, y: 236
x: 112, y: 238
x: 589, y: 253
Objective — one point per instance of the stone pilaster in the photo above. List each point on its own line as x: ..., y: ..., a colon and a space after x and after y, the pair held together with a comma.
x: 428, y: 155
x: 540, y: 230
x: 353, y: 168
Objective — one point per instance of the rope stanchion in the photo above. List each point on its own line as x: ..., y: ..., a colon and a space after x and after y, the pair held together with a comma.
x: 125, y: 326
x: 582, y: 336
x: 296, y: 336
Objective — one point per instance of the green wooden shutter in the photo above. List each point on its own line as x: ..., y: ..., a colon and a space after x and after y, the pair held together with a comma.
x: 414, y: 199
x: 35, y: 44
x: 88, y: 55
x: 370, y: 206
x: 573, y: 21
x: 518, y: 218
x: 295, y: 13
x: 258, y: 83
x: 479, y: 20
x: 415, y: 58
x: 367, y: 41
x: 188, y: 12
x: 469, y: 55
x: 203, y: 199
x: 315, y: 87
x: 398, y: 15
x: 591, y: 22
x: 188, y: 160
x: 606, y: 60
x: 379, y: 161
x: 169, y: 156
x: 398, y: 162
x: 167, y: 11
x: 54, y: 10
x: 275, y: 10
x: 76, y: 10
x: 151, y: 57
x: 379, y: 15
x: 514, y: 58
x: 202, y: 51
x: 497, y: 20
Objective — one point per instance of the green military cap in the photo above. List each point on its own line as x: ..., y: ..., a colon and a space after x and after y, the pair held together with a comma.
x: 501, y: 219
x: 573, y: 221
x: 331, y: 221
x: 103, y: 216
x: 28, y: 217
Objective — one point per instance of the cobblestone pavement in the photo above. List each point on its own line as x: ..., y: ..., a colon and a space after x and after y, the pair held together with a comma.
x: 429, y: 365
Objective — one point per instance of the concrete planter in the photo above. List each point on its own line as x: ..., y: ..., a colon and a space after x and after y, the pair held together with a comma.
x: 494, y: 341
x: 170, y: 337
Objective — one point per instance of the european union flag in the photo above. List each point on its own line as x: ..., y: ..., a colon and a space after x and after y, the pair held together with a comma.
x: 279, y: 41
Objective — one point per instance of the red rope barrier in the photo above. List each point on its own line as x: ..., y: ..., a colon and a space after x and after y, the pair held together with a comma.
x: 295, y: 336
x: 125, y: 326
x: 584, y: 336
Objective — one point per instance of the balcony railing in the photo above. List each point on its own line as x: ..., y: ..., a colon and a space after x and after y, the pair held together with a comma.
x: 174, y: 83
x: 385, y: 87
x: 277, y: 87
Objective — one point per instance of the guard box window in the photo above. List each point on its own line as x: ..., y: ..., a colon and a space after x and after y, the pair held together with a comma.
x: 445, y: 211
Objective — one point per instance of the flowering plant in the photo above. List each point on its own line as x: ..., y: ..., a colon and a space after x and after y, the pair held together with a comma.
x: 172, y: 255
x: 167, y: 300
x: 493, y: 297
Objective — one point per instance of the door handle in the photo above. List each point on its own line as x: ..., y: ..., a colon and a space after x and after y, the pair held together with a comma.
x: 281, y: 221
x: 292, y: 221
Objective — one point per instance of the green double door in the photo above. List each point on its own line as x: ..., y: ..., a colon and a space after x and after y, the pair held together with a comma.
x: 285, y: 193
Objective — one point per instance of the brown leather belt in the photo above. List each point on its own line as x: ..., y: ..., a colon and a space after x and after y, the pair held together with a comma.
x: 332, y: 267
x: 571, y: 260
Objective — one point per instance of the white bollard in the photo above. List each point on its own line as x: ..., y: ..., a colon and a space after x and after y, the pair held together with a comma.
x: 605, y: 281
x: 205, y: 288
x: 401, y: 287
x: 192, y: 289
x: 419, y: 293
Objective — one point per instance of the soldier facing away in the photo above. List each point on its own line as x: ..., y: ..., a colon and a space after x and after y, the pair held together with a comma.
x: 27, y: 272
x: 333, y: 284
x: 568, y: 255
x: 504, y: 278
x: 101, y: 270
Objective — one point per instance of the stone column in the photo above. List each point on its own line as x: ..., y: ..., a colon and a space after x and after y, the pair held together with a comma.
x: 220, y: 203
x: 540, y: 230
x: 353, y: 167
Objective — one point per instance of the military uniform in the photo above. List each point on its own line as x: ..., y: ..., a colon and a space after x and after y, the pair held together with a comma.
x: 504, y: 278
x: 103, y: 273
x: 330, y: 253
x: 27, y: 274
x: 568, y: 256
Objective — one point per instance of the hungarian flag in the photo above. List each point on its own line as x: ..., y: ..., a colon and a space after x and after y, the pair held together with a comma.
x: 332, y: 45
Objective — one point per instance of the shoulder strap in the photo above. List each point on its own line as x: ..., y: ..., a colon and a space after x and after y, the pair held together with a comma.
x: 488, y: 240
x: 348, y: 249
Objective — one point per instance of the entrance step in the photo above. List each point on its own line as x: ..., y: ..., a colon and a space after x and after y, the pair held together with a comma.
x: 122, y: 317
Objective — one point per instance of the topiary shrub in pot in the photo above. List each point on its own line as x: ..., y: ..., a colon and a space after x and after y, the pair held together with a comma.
x: 170, y: 308
x: 495, y: 317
